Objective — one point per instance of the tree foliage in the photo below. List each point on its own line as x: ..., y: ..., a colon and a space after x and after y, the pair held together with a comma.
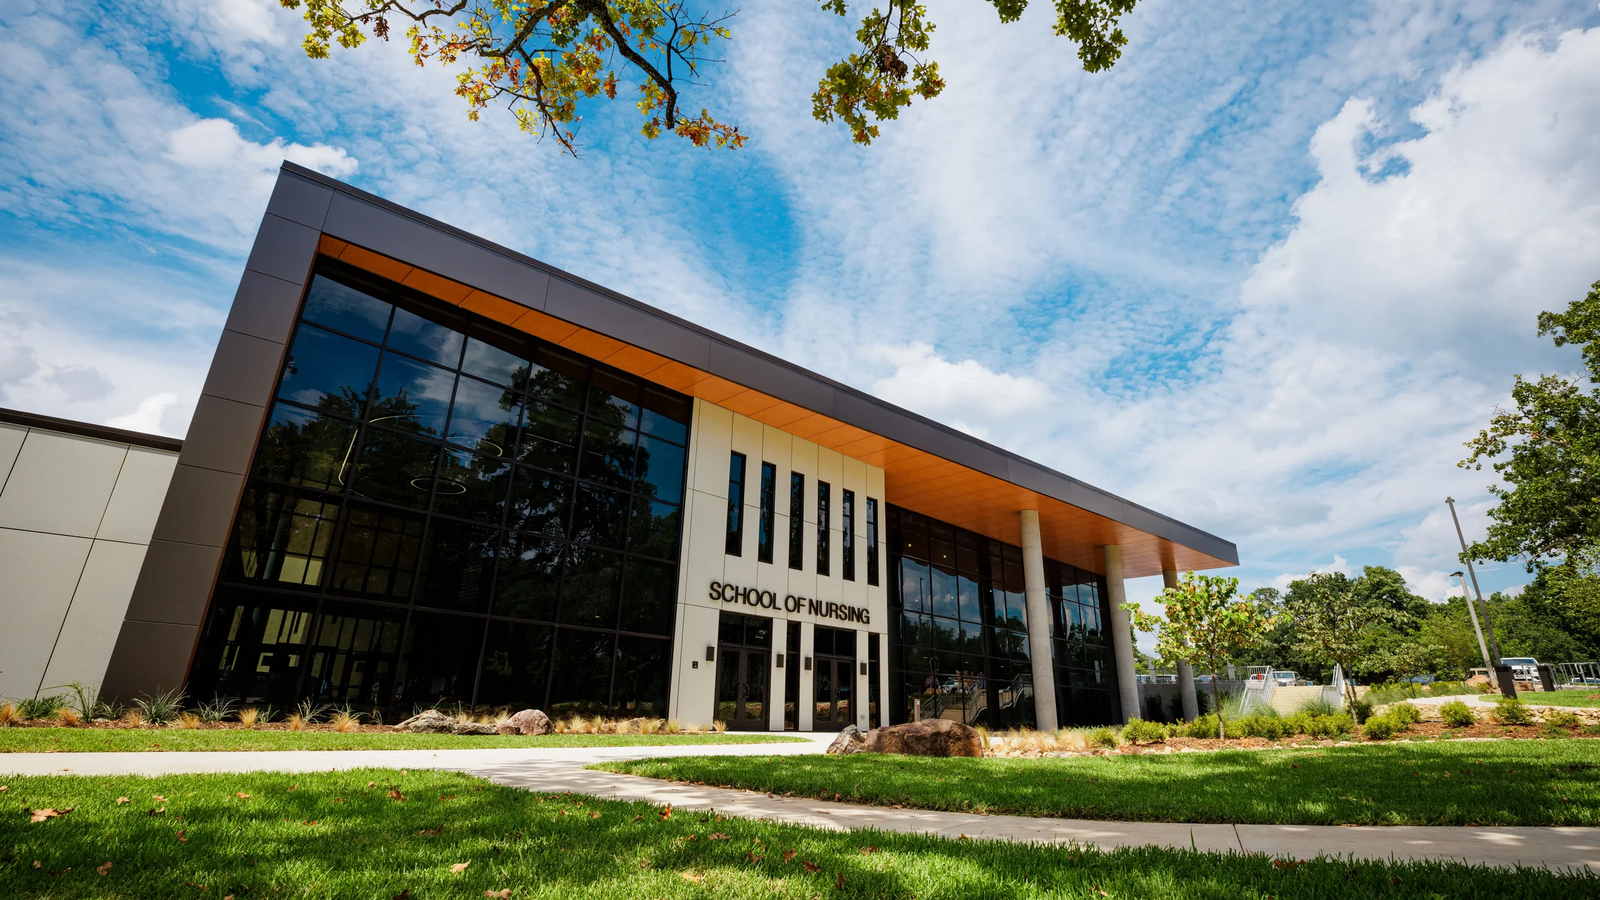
x: 1359, y: 625
x: 542, y: 58
x: 1206, y: 622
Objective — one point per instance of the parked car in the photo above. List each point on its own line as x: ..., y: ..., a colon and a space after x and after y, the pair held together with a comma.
x: 1286, y: 679
x: 1523, y: 668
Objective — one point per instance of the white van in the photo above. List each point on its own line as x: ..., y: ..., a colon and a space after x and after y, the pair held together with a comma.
x: 1523, y: 668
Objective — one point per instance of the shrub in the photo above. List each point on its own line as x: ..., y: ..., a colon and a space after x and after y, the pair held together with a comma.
x: 1361, y: 710
x: 1331, y: 726
x: 1405, y: 713
x: 1272, y: 728
x: 1202, y: 699
x: 1511, y: 711
x: 1203, y: 727
x: 41, y: 707
x: 1380, y: 728
x: 310, y: 711
x: 85, y: 699
x: 218, y: 710
x: 1102, y: 737
x: 1457, y: 714
x: 1138, y: 731
x: 1561, y: 718
x: 160, y: 709
x: 1153, y: 707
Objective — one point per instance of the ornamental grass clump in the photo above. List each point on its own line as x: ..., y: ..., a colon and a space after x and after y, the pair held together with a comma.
x: 1102, y: 737
x: 160, y: 708
x: 345, y: 720
x: 41, y: 707
x: 1511, y: 711
x: 1457, y: 714
x: 1320, y: 705
x: 188, y: 720
x: 218, y: 710
x: 249, y: 716
x: 68, y: 717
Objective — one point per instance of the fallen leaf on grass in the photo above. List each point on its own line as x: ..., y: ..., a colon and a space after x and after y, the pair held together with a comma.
x: 122, y: 800
x: 810, y: 866
x: 788, y: 855
x: 156, y: 812
x: 869, y: 850
x: 718, y: 836
x: 103, y: 869
x: 181, y: 838
x: 754, y: 858
x: 690, y: 876
x: 500, y: 894
x: 458, y: 868
x: 840, y: 883
x: 241, y: 795
x: 37, y: 864
x: 636, y: 818
x: 396, y: 795
x: 39, y: 815
x: 3, y: 789
x: 431, y: 832
x: 1097, y: 890
x: 403, y: 895
x: 158, y: 798
x: 666, y: 813
x: 594, y: 814
x: 293, y: 787
x: 309, y: 822
x: 372, y: 784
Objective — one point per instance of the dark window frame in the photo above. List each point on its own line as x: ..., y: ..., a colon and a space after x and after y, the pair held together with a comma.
x: 734, y: 545
x: 824, y: 500
x: 768, y: 519
x: 797, y: 521
x: 847, y: 542
x: 872, y: 542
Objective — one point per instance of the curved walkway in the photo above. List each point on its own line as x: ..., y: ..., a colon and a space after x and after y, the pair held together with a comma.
x: 557, y: 770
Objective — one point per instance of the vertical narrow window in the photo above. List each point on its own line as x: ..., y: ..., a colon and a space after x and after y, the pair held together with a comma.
x: 797, y: 520
x: 872, y: 542
x: 847, y: 521
x: 824, y: 494
x: 769, y: 499
x: 736, y: 504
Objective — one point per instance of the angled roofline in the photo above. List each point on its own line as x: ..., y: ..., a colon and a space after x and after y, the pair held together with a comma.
x: 576, y: 299
x: 89, y: 430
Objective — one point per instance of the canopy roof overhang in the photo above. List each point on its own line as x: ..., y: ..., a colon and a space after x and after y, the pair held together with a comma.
x: 929, y: 468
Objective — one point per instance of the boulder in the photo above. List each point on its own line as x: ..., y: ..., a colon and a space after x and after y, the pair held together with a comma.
x: 929, y: 737
x: 432, y: 721
x: 848, y: 741
x: 529, y: 721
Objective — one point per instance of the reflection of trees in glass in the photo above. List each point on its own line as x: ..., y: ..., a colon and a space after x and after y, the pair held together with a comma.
x: 283, y: 538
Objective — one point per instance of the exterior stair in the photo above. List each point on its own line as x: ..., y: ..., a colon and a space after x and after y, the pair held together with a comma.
x: 1287, y: 699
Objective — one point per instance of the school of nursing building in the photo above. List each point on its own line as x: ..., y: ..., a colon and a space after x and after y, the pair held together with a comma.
x: 427, y: 469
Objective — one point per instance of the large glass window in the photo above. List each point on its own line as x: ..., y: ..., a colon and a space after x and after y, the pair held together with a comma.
x: 958, y: 634
x: 847, y: 543
x: 769, y: 499
x: 443, y: 511
x: 824, y: 499
x: 872, y: 542
x: 797, y: 520
x: 736, y: 504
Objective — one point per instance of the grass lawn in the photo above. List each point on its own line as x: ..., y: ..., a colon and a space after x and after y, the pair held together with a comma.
x: 1588, y: 697
x: 348, y: 834
x: 1447, y: 783
x: 85, y: 740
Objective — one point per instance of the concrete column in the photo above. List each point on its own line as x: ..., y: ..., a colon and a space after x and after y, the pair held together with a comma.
x: 1121, y: 634
x: 1191, y: 706
x: 1044, y: 675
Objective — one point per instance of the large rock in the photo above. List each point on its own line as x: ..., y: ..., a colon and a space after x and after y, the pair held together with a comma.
x: 432, y: 721
x: 529, y: 721
x: 929, y: 737
x: 848, y: 741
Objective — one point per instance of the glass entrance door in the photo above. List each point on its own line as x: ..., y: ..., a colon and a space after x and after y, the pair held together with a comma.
x: 834, y: 679
x: 742, y: 688
x: 744, y: 657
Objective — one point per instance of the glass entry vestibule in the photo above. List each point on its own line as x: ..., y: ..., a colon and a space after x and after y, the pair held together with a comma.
x: 744, y: 653
x: 834, y: 678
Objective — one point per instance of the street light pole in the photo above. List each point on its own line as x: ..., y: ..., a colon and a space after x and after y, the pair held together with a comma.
x: 1473, y: 612
x: 1488, y: 624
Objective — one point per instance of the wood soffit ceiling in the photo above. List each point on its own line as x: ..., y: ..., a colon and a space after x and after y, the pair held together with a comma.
x: 914, y: 479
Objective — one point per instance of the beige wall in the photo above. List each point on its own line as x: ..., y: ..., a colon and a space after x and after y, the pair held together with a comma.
x: 75, y: 517
x: 715, y: 433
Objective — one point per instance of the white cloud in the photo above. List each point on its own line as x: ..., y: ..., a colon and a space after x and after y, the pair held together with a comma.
x: 964, y: 394
x: 153, y: 415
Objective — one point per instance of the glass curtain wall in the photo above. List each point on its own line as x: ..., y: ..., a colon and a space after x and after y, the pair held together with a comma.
x: 441, y: 511
x: 958, y: 630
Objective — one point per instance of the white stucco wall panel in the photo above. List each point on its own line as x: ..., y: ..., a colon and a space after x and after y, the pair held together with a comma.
x: 136, y: 500
x: 60, y: 484
x: 10, y: 443
x: 41, y: 572
x: 98, y: 604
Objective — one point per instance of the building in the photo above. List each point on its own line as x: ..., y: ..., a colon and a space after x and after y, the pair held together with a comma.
x: 428, y: 469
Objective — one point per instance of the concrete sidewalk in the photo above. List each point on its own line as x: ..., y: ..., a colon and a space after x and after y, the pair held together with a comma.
x: 557, y: 770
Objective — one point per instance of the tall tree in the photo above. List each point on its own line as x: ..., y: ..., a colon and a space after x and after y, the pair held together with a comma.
x: 1547, y: 454
x: 1206, y: 622
x: 1331, y: 616
x: 542, y: 58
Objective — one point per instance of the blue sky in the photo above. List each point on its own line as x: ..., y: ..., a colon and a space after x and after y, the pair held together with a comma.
x: 1266, y: 275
